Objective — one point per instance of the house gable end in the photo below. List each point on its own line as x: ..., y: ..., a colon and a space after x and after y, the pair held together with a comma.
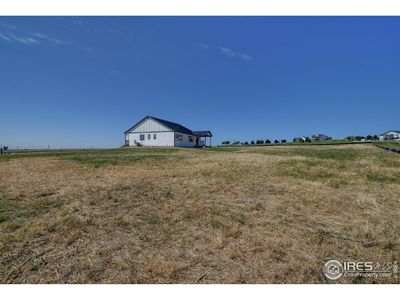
x: 390, y: 131
x: 148, y: 124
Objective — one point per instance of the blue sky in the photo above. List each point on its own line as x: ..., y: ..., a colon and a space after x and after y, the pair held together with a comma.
x: 82, y: 81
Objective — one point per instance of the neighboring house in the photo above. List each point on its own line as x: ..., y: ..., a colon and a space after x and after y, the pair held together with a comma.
x: 300, y: 139
x: 320, y: 137
x: 390, y: 135
x: 151, y: 131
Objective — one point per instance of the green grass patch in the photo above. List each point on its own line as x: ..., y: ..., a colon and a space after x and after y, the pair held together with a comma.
x: 103, y: 157
x: 38, y: 207
x: 215, y: 224
x: 121, y: 222
x: 153, y: 220
x: 392, y: 144
x: 325, y: 154
x: 309, y: 175
x: 219, y: 149
x: 3, y: 217
x: 336, y: 154
x: 383, y: 178
x: 312, y: 170
x: 103, y: 160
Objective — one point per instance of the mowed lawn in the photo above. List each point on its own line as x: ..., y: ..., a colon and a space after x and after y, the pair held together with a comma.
x: 221, y: 215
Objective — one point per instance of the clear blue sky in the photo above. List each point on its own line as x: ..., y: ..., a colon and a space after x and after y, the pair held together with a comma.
x: 80, y: 82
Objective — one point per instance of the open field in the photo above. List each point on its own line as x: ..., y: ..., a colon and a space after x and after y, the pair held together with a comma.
x: 219, y: 215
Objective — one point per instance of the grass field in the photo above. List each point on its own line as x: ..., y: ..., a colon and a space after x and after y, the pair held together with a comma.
x: 218, y: 215
x: 388, y: 144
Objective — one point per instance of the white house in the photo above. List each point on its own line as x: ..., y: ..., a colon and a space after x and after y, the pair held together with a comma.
x: 390, y: 135
x: 300, y: 139
x: 155, y: 132
x: 320, y: 137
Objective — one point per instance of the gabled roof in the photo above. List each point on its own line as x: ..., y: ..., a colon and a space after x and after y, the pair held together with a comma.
x: 171, y: 125
x: 397, y: 131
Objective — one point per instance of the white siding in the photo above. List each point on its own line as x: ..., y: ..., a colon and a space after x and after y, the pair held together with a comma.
x: 149, y: 125
x: 163, y: 139
x: 182, y: 140
x: 391, y: 135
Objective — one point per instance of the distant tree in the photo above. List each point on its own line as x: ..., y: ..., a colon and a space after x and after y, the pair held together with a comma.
x: 283, y: 141
x: 236, y: 143
x: 246, y: 142
x: 370, y: 137
x: 376, y: 137
x: 294, y: 140
x: 308, y: 140
x: 226, y: 142
x: 258, y: 142
x: 252, y: 142
x: 276, y: 142
x: 267, y: 141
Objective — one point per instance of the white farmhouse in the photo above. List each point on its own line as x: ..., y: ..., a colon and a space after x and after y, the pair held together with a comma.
x: 390, y: 135
x: 155, y: 132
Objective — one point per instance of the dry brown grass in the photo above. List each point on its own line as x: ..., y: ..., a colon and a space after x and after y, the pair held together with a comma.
x: 247, y: 215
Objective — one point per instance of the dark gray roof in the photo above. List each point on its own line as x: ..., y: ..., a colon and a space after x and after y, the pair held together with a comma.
x: 202, y: 133
x: 173, y: 126
x: 397, y: 131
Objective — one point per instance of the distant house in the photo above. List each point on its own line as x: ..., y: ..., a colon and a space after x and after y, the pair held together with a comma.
x: 390, y: 135
x: 301, y: 139
x: 155, y: 132
x: 320, y: 137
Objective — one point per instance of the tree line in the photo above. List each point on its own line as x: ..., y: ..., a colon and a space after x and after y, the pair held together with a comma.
x: 254, y: 142
x: 307, y: 140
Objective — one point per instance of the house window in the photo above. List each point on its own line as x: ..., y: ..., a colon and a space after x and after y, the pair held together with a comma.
x: 190, y: 138
x: 149, y: 136
x: 179, y: 137
x: 154, y: 136
x: 141, y: 137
